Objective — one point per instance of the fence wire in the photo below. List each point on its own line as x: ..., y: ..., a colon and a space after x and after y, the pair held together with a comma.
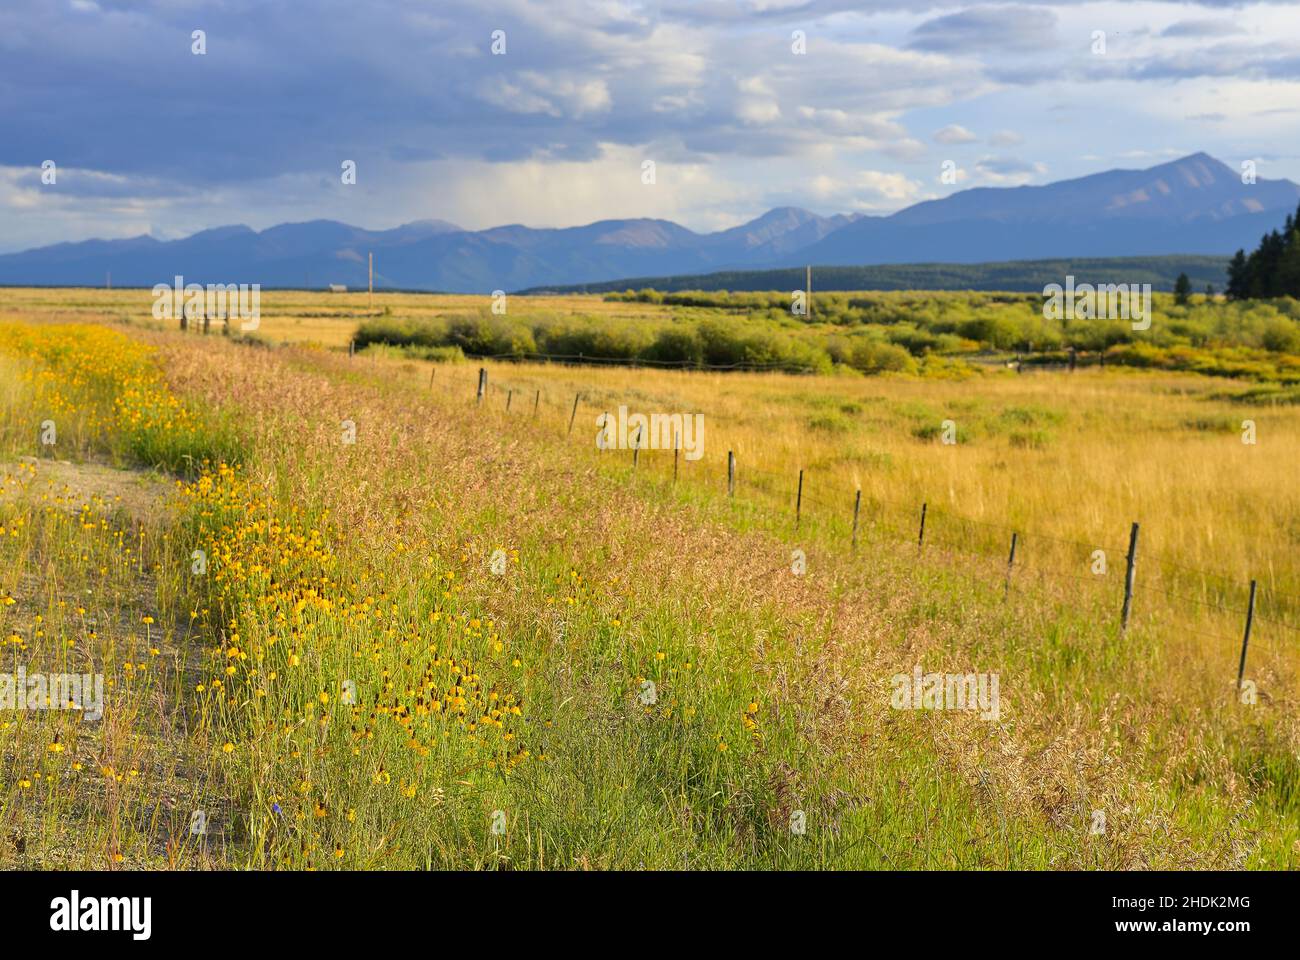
x: 532, y: 401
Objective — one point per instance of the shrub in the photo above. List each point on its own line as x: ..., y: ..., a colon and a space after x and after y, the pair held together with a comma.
x: 874, y: 356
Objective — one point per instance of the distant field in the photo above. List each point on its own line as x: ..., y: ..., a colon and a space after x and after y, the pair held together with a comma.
x: 497, y: 591
x: 1022, y: 275
x: 936, y: 334
x: 291, y: 316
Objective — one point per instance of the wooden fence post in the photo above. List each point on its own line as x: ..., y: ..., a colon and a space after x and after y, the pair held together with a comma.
x: 798, y: 502
x: 920, y: 537
x: 1129, y: 576
x: 857, y: 504
x: 636, y: 447
x: 431, y: 373
x: 1010, y: 563
x: 731, y: 473
x: 482, y: 383
x: 510, y: 395
x: 677, y: 450
x: 573, y: 416
x: 536, y: 401
x: 1245, y: 640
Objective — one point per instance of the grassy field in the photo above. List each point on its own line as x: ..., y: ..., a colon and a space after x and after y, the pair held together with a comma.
x: 303, y: 317
x: 349, y: 616
x: 939, y: 335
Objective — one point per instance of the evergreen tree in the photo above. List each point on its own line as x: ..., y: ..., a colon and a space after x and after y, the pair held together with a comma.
x: 1261, y: 266
x: 1272, y: 269
x: 1238, y: 277
x: 1182, y: 290
x: 1288, y: 267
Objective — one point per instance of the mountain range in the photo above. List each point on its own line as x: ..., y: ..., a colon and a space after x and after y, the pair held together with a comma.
x: 1195, y: 205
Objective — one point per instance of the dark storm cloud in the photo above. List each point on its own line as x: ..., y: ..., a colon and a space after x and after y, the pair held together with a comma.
x: 298, y: 88
x: 292, y: 87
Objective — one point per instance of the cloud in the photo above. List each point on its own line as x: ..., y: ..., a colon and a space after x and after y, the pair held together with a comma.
x: 867, y: 191
x: 954, y: 133
x: 286, y: 90
x: 1267, y: 61
x: 985, y: 29
x: 83, y: 203
x: 1008, y: 171
x: 957, y: 176
x: 888, y: 186
x: 556, y: 96
x: 147, y: 134
x: 757, y: 103
x: 1202, y: 28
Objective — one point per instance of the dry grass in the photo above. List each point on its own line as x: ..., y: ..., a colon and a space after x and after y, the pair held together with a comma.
x: 305, y: 317
x: 619, y: 578
x: 1067, y: 461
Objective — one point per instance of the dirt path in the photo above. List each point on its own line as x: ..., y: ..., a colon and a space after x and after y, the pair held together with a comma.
x: 78, y: 573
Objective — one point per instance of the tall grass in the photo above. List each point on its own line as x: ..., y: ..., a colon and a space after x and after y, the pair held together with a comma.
x: 426, y: 631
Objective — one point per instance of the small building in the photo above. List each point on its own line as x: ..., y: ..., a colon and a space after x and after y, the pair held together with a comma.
x: 338, y: 288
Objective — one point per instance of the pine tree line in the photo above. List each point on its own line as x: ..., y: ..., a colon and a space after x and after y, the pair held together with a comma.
x: 1272, y: 270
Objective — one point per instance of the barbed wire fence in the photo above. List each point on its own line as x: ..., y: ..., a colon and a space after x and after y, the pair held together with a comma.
x: 921, y: 524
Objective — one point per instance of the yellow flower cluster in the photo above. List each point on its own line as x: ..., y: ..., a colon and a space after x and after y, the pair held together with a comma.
x: 299, y: 645
x: 107, y: 381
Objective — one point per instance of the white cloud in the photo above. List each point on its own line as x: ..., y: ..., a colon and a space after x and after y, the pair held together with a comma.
x: 866, y: 191
x: 959, y: 176
x: 533, y: 92
x: 954, y: 133
x: 892, y: 187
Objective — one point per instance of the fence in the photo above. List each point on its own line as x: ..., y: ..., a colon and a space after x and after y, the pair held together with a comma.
x: 849, y: 511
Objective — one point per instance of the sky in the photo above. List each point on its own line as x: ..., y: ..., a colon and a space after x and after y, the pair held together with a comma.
x: 741, y: 105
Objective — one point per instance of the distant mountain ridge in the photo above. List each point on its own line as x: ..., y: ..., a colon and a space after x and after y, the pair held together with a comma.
x: 1195, y: 205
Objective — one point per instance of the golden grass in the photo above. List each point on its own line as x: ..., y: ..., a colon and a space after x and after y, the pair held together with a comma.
x: 774, y: 688
x: 1053, y: 456
x: 288, y: 316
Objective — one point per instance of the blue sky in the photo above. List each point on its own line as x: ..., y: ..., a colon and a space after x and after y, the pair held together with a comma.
x: 149, y: 137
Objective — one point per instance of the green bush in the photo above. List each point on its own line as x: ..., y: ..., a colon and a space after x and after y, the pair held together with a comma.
x: 875, y: 356
x: 871, y: 333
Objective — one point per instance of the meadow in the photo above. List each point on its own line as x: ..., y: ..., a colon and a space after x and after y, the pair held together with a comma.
x: 930, y: 333
x: 350, y: 615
